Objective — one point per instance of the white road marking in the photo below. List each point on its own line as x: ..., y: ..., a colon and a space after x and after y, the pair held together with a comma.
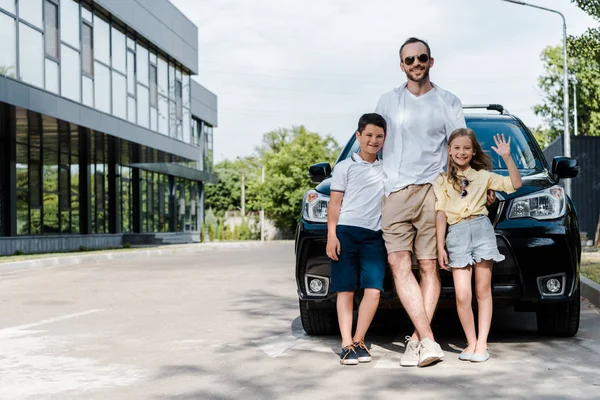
x: 34, y: 364
x: 276, y: 345
x: 388, y: 360
x: 12, y: 329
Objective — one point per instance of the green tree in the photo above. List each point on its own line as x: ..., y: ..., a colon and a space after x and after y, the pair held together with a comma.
x: 286, y: 155
x: 592, y: 7
x: 583, y: 54
x: 7, y: 70
x: 227, y: 194
x: 286, y: 161
x: 584, y: 69
x: 540, y: 135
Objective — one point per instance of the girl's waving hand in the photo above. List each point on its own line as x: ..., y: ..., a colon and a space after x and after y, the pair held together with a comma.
x: 502, y: 146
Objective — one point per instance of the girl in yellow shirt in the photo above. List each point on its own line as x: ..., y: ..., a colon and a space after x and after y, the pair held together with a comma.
x: 471, y: 242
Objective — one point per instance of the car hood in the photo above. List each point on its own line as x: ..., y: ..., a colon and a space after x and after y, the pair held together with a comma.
x: 531, y: 183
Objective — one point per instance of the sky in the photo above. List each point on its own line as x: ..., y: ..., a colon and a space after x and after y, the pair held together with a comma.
x: 323, y: 63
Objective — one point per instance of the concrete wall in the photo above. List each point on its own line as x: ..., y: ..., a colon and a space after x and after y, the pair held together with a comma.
x: 204, y: 104
x: 59, y: 243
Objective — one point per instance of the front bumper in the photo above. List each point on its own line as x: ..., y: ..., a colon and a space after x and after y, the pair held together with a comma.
x: 534, y: 251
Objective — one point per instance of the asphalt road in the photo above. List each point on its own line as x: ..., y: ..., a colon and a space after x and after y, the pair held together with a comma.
x: 225, y: 325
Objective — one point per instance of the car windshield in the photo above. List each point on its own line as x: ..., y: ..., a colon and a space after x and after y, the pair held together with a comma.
x: 522, y: 147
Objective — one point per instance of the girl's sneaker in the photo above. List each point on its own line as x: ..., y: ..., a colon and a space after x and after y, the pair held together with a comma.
x: 348, y: 356
x: 364, y: 356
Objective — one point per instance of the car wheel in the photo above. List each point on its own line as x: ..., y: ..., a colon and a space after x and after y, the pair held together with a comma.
x: 560, y: 319
x: 318, y: 322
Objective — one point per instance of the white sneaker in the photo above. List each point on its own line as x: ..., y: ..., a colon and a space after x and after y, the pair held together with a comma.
x: 429, y: 352
x: 410, y: 358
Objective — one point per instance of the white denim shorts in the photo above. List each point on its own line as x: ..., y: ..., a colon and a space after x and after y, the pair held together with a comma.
x: 471, y: 241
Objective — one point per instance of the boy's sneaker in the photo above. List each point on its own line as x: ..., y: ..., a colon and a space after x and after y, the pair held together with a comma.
x: 410, y: 358
x: 430, y: 352
x: 348, y: 356
x: 363, y: 354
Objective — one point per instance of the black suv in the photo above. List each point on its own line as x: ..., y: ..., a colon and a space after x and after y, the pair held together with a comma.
x: 536, y: 229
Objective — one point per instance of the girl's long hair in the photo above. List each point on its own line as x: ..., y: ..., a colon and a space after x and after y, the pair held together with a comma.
x: 479, y: 161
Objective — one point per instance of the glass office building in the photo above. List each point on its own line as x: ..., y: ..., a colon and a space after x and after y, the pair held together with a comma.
x: 104, y: 136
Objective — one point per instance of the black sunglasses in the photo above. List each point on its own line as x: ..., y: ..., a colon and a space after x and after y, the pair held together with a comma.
x: 411, y: 59
x: 464, y: 183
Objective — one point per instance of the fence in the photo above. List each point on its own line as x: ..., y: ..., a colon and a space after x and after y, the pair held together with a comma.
x: 585, y: 189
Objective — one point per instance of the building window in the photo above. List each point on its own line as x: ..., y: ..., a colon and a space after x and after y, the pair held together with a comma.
x: 172, y: 120
x: 45, y: 174
x: 208, y: 147
x: 163, y: 115
x: 186, y: 90
x: 186, y: 126
x: 125, y: 204
x: 70, y: 72
x: 86, y: 13
x: 131, y: 109
x: 98, y: 182
x: 102, y: 87
x: 87, y: 46
x: 131, y: 72
x: 31, y: 55
x: 171, y: 81
x: 143, y: 106
x: 8, y: 5
x: 118, y: 50
x: 101, y: 40
x: 163, y: 77
x: 8, y: 62
x: 142, y: 64
x: 153, y: 119
x: 153, y: 86
x: 88, y: 91
x: 31, y: 11
x: 52, y: 76
x: 51, y: 29
x: 119, y: 95
x: 69, y: 22
x: 178, y: 100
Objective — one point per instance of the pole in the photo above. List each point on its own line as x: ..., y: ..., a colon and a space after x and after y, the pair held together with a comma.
x: 243, y: 194
x: 262, y: 210
x: 575, y: 107
x: 566, y: 135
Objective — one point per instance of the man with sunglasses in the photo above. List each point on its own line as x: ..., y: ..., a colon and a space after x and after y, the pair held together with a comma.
x: 420, y: 117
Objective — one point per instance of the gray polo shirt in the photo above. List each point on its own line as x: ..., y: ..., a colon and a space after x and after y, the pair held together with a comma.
x: 362, y: 185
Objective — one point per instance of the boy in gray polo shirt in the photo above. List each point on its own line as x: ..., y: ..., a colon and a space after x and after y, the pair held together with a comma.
x: 354, y: 238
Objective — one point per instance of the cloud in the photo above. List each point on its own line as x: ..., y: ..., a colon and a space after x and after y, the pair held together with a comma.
x: 324, y: 63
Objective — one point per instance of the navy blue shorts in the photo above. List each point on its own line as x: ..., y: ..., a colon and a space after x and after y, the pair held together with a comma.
x: 361, y: 261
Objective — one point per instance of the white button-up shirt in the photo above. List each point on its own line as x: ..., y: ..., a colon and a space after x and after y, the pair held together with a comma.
x: 417, y: 135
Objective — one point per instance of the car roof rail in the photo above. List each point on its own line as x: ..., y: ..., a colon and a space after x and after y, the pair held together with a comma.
x: 491, y: 107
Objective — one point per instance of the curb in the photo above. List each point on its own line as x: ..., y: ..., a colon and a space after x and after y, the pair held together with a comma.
x: 62, y: 261
x: 590, y: 290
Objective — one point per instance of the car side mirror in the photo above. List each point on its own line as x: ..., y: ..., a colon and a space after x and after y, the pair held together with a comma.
x: 318, y: 172
x: 565, y: 167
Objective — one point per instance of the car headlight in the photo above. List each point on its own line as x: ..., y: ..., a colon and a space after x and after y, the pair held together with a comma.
x: 545, y: 204
x: 314, y: 206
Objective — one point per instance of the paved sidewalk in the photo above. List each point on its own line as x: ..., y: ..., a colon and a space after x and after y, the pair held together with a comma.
x: 67, y: 259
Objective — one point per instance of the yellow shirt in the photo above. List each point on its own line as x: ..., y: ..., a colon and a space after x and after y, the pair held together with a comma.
x: 457, y: 207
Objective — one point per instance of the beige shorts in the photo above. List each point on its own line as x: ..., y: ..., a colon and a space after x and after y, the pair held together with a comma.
x: 408, y: 221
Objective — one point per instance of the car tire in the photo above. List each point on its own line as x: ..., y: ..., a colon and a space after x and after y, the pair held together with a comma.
x: 560, y: 319
x: 318, y: 322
